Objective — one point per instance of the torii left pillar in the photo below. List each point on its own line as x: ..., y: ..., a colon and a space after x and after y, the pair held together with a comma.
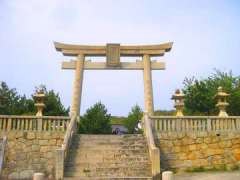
x: 147, y: 80
x: 77, y: 86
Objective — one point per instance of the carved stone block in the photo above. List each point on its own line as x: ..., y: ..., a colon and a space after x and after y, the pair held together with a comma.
x: 113, y: 55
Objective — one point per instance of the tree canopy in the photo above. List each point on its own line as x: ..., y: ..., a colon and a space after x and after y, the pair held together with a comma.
x: 96, y: 120
x: 12, y: 103
x: 199, y: 94
x: 133, y: 118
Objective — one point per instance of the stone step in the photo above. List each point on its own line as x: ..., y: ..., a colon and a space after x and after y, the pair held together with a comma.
x: 109, y: 169
x: 112, y: 142
x: 100, y: 159
x: 106, y: 167
x: 105, y: 175
x: 109, y: 151
x: 111, y: 158
x: 104, y: 140
x: 106, y: 178
x: 107, y: 164
x: 108, y: 172
x: 113, y: 155
x: 108, y: 146
x: 106, y: 136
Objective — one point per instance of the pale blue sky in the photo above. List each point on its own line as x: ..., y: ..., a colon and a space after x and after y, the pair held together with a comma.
x: 206, y: 35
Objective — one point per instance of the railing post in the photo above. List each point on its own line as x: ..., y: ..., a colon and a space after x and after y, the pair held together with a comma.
x: 9, y: 124
x: 39, y: 123
x: 178, y: 124
x: 59, y: 164
x: 209, y: 124
x: 238, y: 123
x: 234, y: 125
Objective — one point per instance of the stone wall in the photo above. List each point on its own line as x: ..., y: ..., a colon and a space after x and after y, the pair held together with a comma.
x: 202, y: 150
x: 30, y: 151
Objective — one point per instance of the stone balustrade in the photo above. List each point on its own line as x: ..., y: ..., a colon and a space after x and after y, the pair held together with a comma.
x: 195, y: 123
x: 31, y: 123
x: 61, y: 153
x: 153, y: 150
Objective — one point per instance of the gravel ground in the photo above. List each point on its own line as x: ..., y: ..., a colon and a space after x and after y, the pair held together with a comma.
x: 209, y: 176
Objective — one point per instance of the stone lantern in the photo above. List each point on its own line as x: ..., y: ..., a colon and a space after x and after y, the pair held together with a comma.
x: 178, y: 98
x: 222, y: 103
x: 39, y: 98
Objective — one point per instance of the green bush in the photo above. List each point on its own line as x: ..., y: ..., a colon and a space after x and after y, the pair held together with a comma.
x: 132, y: 120
x: 96, y: 120
x: 11, y: 103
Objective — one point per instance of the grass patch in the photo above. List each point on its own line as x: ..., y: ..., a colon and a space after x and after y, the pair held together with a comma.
x: 235, y: 168
x: 197, y: 169
x: 214, y: 169
x: 117, y: 120
x: 86, y: 170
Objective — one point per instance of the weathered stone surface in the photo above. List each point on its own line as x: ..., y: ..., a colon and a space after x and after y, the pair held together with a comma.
x: 44, y: 149
x: 203, y: 149
x: 192, y: 147
x: 26, y: 174
x: 43, y: 142
x: 38, y: 176
x: 29, y: 152
x: 31, y: 135
x: 14, y: 175
x: 35, y: 148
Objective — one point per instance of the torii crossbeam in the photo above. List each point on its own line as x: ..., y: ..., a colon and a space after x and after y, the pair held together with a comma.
x: 113, y: 52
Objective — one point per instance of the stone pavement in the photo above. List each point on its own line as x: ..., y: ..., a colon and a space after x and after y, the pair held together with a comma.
x: 209, y: 176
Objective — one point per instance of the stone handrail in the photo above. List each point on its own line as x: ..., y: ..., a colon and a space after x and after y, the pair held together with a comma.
x: 195, y: 123
x: 153, y: 150
x: 3, y: 145
x: 63, y: 151
x: 29, y: 123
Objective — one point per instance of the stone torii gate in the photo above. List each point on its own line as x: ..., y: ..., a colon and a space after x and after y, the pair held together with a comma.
x: 113, y: 52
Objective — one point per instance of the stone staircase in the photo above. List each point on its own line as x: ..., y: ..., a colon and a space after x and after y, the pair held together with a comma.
x: 103, y: 157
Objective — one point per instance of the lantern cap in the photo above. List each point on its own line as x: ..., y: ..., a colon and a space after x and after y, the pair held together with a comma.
x: 221, y: 93
x: 178, y: 95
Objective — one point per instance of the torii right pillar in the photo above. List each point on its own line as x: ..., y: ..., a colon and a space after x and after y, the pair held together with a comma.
x: 148, y: 91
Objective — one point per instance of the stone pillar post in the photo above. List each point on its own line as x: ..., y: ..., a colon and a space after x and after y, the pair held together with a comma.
x: 77, y: 86
x: 167, y: 175
x: 148, y: 92
x: 59, y: 164
x: 38, y: 176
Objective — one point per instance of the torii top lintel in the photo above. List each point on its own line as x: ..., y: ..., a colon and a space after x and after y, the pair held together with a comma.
x: 113, y: 52
x: 130, y: 50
